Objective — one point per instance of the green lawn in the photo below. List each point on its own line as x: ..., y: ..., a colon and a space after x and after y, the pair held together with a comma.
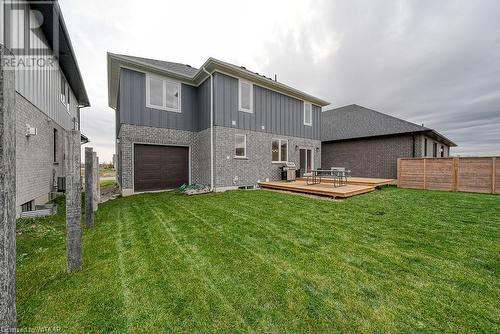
x: 107, y: 183
x: 258, y: 261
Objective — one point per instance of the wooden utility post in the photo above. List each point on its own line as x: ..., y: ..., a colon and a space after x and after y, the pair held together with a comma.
x: 7, y: 197
x: 89, y: 187
x: 73, y: 201
x: 95, y: 174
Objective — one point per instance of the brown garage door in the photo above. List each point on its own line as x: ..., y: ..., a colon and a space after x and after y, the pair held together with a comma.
x: 160, y: 167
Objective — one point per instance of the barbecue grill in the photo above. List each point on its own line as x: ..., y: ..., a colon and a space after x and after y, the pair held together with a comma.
x: 289, y: 171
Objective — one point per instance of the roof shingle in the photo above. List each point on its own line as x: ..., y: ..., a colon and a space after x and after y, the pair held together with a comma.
x: 178, y: 68
x: 354, y: 121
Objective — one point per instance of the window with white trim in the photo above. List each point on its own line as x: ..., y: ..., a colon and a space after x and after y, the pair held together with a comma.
x: 240, y: 146
x: 163, y: 94
x: 245, y: 96
x: 307, y: 113
x: 279, y: 150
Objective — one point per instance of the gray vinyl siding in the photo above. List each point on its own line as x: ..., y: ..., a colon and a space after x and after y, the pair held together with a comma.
x: 278, y: 113
x: 204, y: 105
x: 41, y: 86
x: 133, y: 110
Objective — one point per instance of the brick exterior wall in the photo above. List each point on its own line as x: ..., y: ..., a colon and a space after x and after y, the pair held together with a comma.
x: 371, y: 157
x: 35, y: 168
x: 258, y: 164
x: 130, y: 134
x: 202, y: 151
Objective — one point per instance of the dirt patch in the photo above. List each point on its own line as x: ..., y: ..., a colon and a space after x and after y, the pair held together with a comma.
x: 110, y: 192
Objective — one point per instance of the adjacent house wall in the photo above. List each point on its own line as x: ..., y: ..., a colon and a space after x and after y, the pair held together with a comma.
x: 430, y: 143
x: 38, y: 104
x: 36, y: 171
x: 371, y: 157
x: 41, y: 85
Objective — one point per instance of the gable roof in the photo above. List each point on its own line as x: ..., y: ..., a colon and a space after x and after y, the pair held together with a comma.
x: 192, y: 76
x: 354, y: 121
x: 168, y: 66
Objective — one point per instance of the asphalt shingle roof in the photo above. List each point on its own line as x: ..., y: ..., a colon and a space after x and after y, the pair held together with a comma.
x: 178, y: 68
x: 354, y: 121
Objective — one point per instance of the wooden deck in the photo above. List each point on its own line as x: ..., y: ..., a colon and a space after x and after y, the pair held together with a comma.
x: 323, y: 189
x: 361, y: 181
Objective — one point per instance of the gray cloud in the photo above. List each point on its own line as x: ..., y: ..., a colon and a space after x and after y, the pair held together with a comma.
x: 431, y: 62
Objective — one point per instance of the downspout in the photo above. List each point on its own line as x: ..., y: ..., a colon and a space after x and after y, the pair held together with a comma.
x: 211, y: 129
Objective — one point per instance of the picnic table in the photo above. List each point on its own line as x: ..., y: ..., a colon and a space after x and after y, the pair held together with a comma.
x: 339, y: 176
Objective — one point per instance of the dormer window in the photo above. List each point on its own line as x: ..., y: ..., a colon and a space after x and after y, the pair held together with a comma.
x: 307, y: 114
x: 163, y: 94
x: 245, y: 96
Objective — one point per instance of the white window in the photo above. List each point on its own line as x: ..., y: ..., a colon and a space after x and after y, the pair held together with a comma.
x: 307, y: 114
x: 240, y: 146
x: 279, y: 150
x: 65, y: 96
x: 245, y: 96
x: 163, y: 94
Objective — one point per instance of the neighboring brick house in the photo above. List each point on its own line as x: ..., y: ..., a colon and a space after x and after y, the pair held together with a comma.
x: 219, y: 125
x: 369, y: 143
x: 48, y: 95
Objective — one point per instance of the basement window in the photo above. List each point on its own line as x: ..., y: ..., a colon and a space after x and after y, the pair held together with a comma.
x: 240, y: 146
x: 245, y: 96
x: 163, y: 94
x: 28, y: 206
x: 307, y: 114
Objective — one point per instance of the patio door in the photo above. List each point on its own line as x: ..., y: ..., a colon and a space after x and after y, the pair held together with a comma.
x: 306, y: 160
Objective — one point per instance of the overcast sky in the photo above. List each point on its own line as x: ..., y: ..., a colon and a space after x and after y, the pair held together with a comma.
x: 431, y: 62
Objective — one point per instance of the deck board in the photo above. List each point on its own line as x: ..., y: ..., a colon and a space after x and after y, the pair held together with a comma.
x: 323, y: 189
x: 362, y: 181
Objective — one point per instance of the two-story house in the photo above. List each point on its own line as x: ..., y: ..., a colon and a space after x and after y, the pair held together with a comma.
x: 220, y: 125
x: 49, y: 94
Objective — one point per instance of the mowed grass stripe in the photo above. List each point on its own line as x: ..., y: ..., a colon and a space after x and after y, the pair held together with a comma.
x: 259, y: 261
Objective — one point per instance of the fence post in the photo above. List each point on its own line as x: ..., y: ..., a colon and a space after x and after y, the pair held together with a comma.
x: 455, y: 173
x: 7, y: 197
x: 494, y: 176
x: 399, y: 171
x: 95, y: 174
x: 89, y: 186
x: 98, y: 183
x: 425, y: 173
x: 73, y: 201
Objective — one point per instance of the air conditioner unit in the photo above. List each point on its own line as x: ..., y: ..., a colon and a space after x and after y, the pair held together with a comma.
x: 30, y: 131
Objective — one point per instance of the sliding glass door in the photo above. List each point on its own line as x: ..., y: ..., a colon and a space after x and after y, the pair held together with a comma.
x: 306, y: 160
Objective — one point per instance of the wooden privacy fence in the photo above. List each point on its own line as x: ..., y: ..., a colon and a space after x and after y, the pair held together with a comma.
x: 468, y: 174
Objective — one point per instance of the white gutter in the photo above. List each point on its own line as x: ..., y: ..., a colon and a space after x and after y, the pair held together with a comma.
x: 211, y: 129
